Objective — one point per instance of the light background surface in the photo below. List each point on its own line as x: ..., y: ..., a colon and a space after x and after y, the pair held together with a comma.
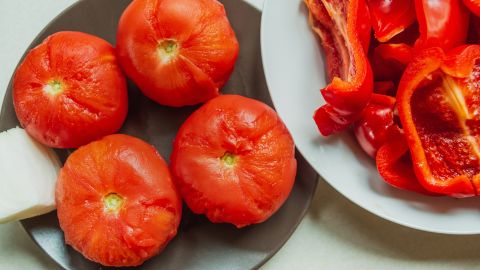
x: 335, y: 233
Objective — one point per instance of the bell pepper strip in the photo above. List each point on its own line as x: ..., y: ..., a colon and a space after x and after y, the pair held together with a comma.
x: 442, y: 23
x: 438, y: 104
x: 344, y: 30
x: 363, y: 24
x: 330, y: 121
x: 390, y: 17
x: 394, y: 164
x: 389, y: 61
x: 473, y: 6
x: 372, y: 129
x: 385, y: 88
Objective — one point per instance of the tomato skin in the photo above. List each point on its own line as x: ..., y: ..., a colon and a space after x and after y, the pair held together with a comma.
x: 203, y: 52
x: 92, y: 100
x: 149, y: 216
x: 263, y: 155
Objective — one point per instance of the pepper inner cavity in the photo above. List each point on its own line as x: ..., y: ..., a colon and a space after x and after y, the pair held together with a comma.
x: 441, y: 106
x: 338, y: 15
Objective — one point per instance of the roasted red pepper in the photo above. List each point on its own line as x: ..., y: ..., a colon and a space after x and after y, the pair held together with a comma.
x: 442, y: 23
x: 389, y: 61
x: 439, y: 107
x: 473, y: 6
x: 372, y: 130
x: 394, y: 164
x: 344, y: 30
x: 390, y: 17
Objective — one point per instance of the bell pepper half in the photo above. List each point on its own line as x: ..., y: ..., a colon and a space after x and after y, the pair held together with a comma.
x: 394, y: 163
x: 344, y: 30
x: 438, y: 102
x: 473, y: 6
x: 373, y: 127
x: 390, y: 17
x: 442, y: 23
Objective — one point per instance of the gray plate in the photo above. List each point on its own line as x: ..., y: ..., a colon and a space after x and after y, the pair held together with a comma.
x: 199, y: 243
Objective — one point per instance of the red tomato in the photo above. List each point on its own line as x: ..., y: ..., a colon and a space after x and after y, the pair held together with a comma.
x: 116, y: 201
x: 69, y: 90
x: 179, y: 52
x: 233, y: 160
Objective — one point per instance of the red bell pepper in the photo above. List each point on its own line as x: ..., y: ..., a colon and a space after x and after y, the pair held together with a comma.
x: 394, y: 164
x: 390, y: 17
x: 381, y: 138
x: 384, y: 88
x: 344, y: 30
x: 372, y: 130
x: 438, y: 103
x: 473, y: 6
x: 442, y: 23
x: 389, y: 61
x: 408, y: 36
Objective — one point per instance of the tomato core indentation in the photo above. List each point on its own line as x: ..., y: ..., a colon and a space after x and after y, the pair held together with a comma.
x: 229, y: 159
x: 167, y: 50
x: 112, y: 203
x: 53, y: 88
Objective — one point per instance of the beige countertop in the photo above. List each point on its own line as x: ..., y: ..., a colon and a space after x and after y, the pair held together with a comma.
x: 335, y: 234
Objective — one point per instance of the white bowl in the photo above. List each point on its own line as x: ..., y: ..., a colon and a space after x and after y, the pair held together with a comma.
x: 295, y: 72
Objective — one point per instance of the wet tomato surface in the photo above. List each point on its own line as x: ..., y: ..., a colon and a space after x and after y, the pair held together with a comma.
x: 69, y: 90
x: 117, y: 204
x: 233, y: 160
x: 179, y: 52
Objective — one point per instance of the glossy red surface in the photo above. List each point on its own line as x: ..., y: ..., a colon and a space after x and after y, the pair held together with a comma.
x: 178, y: 52
x: 142, y: 218
x: 233, y: 160
x: 69, y: 90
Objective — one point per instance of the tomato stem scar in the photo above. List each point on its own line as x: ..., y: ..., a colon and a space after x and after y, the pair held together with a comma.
x: 229, y: 159
x: 167, y: 50
x: 53, y: 88
x: 112, y: 203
